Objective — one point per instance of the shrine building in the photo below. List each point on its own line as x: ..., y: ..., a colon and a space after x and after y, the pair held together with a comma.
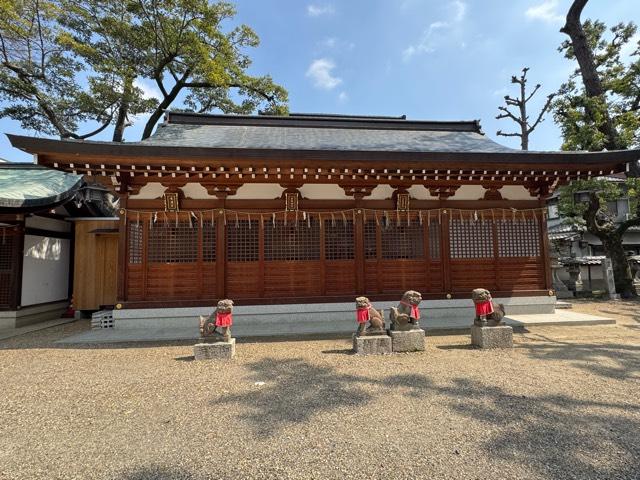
x: 315, y: 209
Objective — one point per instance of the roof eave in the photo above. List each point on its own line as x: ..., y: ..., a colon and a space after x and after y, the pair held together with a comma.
x: 574, y: 160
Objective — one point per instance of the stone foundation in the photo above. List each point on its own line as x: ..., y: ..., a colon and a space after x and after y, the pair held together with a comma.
x: 492, y: 337
x: 372, y: 345
x: 215, y: 351
x: 407, y: 340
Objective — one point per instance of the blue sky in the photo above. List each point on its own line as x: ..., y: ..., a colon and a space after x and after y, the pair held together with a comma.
x: 427, y: 59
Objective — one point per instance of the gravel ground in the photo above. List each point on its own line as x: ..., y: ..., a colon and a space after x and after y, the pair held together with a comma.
x: 563, y: 404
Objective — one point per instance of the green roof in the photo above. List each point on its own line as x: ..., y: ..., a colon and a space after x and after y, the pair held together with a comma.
x: 25, y: 185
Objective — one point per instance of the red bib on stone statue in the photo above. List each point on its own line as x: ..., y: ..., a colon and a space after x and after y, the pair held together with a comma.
x: 415, y: 312
x: 484, y: 308
x: 224, y: 319
x: 362, y: 314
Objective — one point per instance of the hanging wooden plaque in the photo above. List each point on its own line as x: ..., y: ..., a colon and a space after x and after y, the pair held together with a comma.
x: 291, y: 202
x: 402, y: 202
x: 171, y: 203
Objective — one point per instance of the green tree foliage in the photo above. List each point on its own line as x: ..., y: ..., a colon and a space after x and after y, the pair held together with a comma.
x: 64, y: 63
x: 599, y: 108
x: 583, y: 203
x: 583, y: 117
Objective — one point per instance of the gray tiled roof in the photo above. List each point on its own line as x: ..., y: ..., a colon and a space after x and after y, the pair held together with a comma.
x: 29, y: 185
x: 310, y: 138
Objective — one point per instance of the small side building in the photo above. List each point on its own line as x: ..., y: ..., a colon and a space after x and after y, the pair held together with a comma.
x: 38, y: 206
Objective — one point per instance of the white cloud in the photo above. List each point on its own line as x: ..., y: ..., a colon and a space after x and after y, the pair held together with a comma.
x: 318, y: 10
x: 547, y: 11
x: 435, y: 33
x: 320, y: 72
x: 331, y: 43
x: 459, y: 9
x: 343, y: 97
x: 149, y: 90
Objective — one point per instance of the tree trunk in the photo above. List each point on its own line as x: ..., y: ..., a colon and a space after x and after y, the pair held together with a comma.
x: 524, y: 125
x: 590, y: 77
x: 622, y: 273
x: 123, y: 110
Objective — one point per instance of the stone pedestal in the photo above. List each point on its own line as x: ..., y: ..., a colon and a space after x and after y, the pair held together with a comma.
x: 215, y: 351
x: 407, y: 341
x: 492, y: 337
x: 372, y: 345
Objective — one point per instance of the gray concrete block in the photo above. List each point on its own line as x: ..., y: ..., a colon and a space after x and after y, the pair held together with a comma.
x: 372, y: 345
x: 492, y: 337
x: 215, y: 351
x: 407, y: 340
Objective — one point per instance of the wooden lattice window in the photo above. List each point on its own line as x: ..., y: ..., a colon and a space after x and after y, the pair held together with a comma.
x: 7, y: 267
x: 370, y: 241
x: 243, y: 241
x: 434, y: 240
x: 209, y: 241
x: 294, y: 241
x: 518, y: 238
x: 338, y: 240
x: 471, y: 239
x: 173, y: 243
x: 135, y: 242
x: 400, y: 240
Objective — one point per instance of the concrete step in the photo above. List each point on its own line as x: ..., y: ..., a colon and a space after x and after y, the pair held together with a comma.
x: 189, y: 332
x: 563, y: 305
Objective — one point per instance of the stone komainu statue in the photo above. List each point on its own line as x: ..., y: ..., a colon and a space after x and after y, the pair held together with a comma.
x: 407, y: 315
x: 221, y: 318
x: 488, y: 312
x: 366, y: 313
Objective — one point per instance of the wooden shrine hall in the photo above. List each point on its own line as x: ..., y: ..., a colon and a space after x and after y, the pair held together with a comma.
x: 321, y: 208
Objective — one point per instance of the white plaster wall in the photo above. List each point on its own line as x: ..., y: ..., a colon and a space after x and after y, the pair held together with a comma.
x: 195, y: 190
x: 150, y: 191
x: 45, y: 269
x: 516, y: 192
x: 258, y: 191
x: 319, y: 191
x: 469, y: 192
x: 381, y: 192
x: 44, y: 223
x: 420, y: 192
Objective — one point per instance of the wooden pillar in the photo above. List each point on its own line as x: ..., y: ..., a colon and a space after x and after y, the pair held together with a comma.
x: 201, y: 279
x: 496, y: 253
x: 358, y: 238
x: 123, y: 242
x: 445, y: 250
x: 221, y: 253
x: 17, y: 264
x: 261, y: 258
x: 544, y: 251
x: 146, y: 233
x: 323, y: 262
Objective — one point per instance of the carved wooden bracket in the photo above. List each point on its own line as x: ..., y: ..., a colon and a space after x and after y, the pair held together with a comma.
x: 443, y: 192
x: 357, y: 191
x: 539, y: 190
x: 174, y: 188
x: 222, y: 191
x: 134, y: 189
x: 493, y: 194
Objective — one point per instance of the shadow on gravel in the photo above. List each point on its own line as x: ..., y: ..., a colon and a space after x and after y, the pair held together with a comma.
x: 557, y: 436
x: 610, y: 360
x: 293, y: 392
x: 154, y: 472
x: 456, y: 347
x: 340, y: 351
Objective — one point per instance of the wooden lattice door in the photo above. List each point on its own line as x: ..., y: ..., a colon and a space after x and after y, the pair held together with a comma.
x: 9, y: 267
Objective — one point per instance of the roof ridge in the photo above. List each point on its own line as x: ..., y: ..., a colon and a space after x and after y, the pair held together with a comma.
x: 324, y: 121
